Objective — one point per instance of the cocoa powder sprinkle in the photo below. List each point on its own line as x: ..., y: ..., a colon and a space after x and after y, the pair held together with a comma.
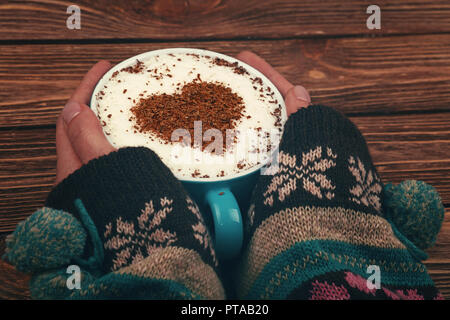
x: 234, y: 65
x: 136, y: 68
x: 214, y: 104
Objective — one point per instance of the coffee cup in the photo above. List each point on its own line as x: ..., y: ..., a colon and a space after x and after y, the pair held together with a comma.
x: 224, y: 198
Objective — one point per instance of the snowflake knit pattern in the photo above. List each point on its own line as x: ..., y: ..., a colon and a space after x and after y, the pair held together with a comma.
x: 131, y: 227
x: 316, y: 225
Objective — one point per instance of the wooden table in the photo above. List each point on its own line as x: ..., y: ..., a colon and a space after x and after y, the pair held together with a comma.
x: 394, y: 83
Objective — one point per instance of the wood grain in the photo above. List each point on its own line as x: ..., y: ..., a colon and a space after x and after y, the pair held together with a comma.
x: 27, y: 171
x: 218, y: 19
x: 354, y: 75
x: 402, y: 147
x: 14, y: 284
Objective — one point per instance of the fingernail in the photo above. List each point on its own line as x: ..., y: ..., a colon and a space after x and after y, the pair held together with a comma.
x: 302, y: 94
x: 70, y: 111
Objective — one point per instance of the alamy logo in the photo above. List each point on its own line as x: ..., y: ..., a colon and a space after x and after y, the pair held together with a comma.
x: 374, y: 20
x: 74, y: 280
x: 255, y: 146
x: 374, y: 281
x: 74, y: 20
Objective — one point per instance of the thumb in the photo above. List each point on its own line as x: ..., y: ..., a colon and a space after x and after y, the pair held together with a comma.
x: 296, y: 97
x: 85, y: 132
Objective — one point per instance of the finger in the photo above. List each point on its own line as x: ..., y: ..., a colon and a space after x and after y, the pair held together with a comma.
x: 84, y: 91
x: 85, y: 132
x: 297, y: 97
x: 67, y: 160
x: 260, y: 64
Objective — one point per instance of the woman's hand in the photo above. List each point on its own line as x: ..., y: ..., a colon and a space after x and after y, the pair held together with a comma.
x: 295, y: 97
x: 79, y: 135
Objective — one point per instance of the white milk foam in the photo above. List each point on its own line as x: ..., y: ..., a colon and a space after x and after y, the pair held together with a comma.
x: 124, y: 89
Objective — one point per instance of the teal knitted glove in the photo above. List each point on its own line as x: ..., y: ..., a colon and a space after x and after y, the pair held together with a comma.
x: 132, y: 230
x: 317, y: 226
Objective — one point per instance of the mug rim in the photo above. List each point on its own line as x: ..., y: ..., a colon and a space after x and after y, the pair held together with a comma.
x: 142, y: 56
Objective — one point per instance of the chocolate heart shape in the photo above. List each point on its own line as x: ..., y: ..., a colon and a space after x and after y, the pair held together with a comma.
x: 212, y: 103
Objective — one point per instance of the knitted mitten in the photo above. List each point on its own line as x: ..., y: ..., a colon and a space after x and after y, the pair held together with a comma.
x: 317, y: 228
x: 132, y: 229
x: 416, y: 210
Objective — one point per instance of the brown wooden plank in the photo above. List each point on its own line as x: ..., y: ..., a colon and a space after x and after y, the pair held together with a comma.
x: 354, y: 75
x: 27, y: 171
x: 403, y: 147
x: 439, y: 255
x: 438, y: 262
x: 410, y: 147
x: 214, y: 19
x: 14, y: 284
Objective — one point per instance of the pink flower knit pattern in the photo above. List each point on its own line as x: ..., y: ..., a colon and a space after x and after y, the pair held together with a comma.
x: 325, y: 291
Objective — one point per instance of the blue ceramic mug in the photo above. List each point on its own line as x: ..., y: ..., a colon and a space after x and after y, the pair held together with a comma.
x: 224, y: 198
